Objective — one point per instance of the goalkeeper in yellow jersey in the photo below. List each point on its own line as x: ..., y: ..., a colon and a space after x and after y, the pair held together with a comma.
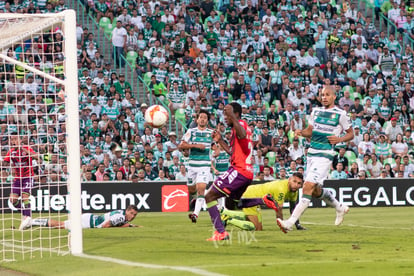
x: 281, y: 190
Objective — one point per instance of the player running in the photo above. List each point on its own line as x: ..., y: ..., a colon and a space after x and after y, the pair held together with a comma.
x: 326, y: 124
x: 20, y: 159
x: 238, y: 177
x: 281, y: 190
x: 117, y: 218
x: 198, y: 141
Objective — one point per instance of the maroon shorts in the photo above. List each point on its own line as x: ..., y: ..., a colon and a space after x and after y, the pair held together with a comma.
x: 22, y: 185
x: 231, y: 184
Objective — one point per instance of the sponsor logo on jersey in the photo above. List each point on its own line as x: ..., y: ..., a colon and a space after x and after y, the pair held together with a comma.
x: 174, y: 198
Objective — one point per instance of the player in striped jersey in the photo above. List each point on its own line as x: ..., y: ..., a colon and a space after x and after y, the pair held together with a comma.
x: 198, y: 141
x: 326, y: 125
x: 117, y: 218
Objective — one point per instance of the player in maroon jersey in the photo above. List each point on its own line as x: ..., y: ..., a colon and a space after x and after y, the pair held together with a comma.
x: 239, y: 176
x: 20, y: 158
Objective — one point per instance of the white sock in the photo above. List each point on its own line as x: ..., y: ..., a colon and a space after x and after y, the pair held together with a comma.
x: 220, y: 203
x: 329, y: 199
x: 199, y: 204
x: 298, y: 211
x: 67, y: 224
x: 39, y: 222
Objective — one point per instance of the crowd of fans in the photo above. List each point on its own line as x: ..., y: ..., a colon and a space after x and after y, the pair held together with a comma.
x: 273, y: 57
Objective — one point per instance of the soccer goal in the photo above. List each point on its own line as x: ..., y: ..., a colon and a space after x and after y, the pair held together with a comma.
x: 39, y: 132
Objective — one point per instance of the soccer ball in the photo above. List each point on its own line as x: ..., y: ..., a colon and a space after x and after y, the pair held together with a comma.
x: 156, y: 116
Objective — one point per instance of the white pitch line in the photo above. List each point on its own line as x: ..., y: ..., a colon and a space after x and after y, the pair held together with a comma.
x: 362, y: 226
x: 194, y: 270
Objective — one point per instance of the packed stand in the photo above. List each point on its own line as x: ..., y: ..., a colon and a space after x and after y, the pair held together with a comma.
x: 271, y: 57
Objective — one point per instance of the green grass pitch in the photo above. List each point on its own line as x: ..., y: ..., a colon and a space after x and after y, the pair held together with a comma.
x: 372, y: 241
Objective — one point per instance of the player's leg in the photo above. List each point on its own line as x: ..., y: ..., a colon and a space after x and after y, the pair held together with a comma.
x: 223, y: 186
x: 192, y: 190
x: 267, y: 200
x: 318, y: 169
x: 201, y: 190
x: 341, y: 209
x: 256, y: 222
x: 44, y: 222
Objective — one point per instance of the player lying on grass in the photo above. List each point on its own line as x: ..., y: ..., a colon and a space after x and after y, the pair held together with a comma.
x: 117, y: 218
x: 281, y: 190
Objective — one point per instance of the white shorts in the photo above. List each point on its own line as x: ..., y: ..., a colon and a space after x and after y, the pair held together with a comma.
x: 86, y: 220
x: 198, y: 176
x: 317, y: 169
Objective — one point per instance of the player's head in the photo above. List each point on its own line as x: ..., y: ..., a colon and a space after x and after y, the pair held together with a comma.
x: 328, y: 96
x: 14, y: 139
x: 202, y: 118
x: 295, y: 181
x: 131, y: 212
x: 237, y: 110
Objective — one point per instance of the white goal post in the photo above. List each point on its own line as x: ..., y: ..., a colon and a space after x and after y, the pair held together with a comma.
x: 56, y: 77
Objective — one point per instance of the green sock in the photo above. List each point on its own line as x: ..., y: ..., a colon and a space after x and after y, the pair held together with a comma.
x: 242, y: 224
x: 234, y: 214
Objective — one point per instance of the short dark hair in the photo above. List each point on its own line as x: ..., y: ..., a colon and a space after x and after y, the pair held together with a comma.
x: 298, y: 175
x: 236, y: 108
x: 203, y: 111
x: 132, y: 207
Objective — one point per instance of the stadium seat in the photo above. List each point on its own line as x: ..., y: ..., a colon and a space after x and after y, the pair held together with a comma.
x: 147, y: 77
x: 351, y: 156
x: 180, y: 115
x: 290, y: 136
x: 108, y: 30
x: 104, y: 22
x: 390, y: 161
x: 131, y: 57
x: 272, y: 158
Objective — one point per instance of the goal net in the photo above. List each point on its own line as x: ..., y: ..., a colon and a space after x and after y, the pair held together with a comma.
x: 39, y: 132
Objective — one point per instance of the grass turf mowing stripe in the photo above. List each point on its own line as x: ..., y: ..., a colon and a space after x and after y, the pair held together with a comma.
x: 356, y: 225
x: 194, y: 270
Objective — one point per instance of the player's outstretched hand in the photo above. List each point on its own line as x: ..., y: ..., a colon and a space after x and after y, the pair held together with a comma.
x: 334, y: 140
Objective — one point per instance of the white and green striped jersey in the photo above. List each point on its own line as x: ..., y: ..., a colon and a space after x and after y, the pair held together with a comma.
x: 176, y: 96
x: 117, y: 219
x: 325, y: 123
x: 199, y: 158
x: 222, y: 162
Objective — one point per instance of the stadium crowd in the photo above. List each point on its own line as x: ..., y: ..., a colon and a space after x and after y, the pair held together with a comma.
x: 273, y: 57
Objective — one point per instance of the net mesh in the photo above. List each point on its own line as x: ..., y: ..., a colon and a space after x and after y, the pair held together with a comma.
x: 33, y: 135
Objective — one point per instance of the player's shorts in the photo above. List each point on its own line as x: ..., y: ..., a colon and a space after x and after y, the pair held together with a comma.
x: 87, y: 221
x: 198, y: 176
x: 231, y: 184
x: 317, y: 169
x: 22, y: 186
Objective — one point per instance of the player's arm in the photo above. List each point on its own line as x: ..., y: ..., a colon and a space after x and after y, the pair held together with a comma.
x: 130, y: 225
x: 347, y: 137
x: 31, y: 153
x: 184, y: 145
x: 217, y: 137
x: 307, y: 132
x: 105, y: 224
x: 238, y: 128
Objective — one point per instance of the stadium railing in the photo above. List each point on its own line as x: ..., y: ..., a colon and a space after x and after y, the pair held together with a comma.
x: 385, y: 24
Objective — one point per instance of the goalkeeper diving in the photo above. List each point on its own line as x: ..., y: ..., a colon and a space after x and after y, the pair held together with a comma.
x: 281, y: 190
x: 117, y: 218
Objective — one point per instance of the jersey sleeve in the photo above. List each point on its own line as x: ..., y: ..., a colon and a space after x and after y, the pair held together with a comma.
x: 311, y: 118
x: 117, y: 220
x: 187, y: 136
x: 345, y: 121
